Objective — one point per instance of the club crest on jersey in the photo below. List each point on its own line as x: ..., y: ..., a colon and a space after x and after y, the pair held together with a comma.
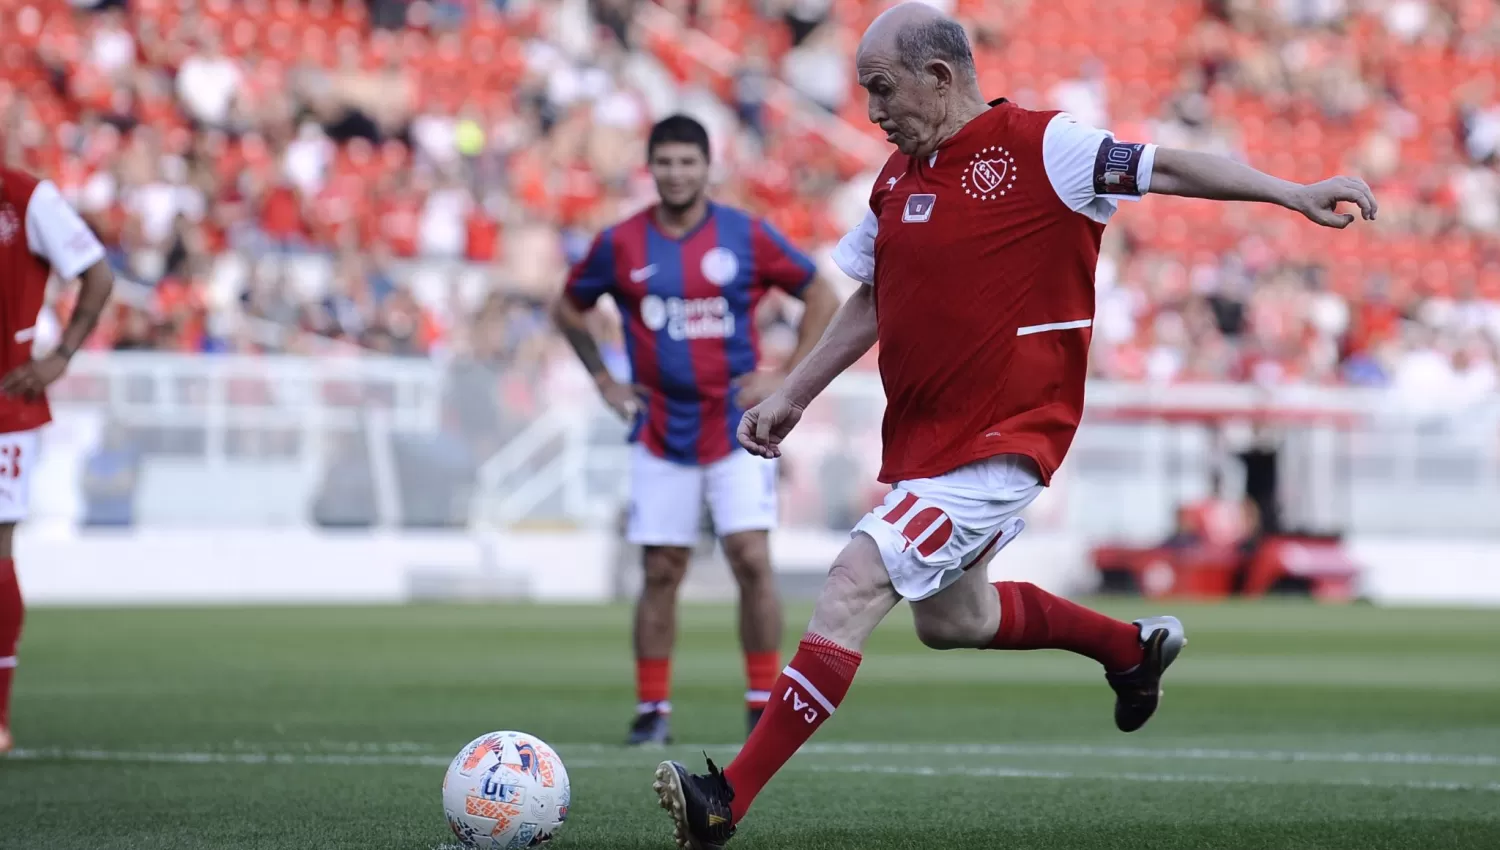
x: 990, y: 173
x: 10, y: 224
x: 918, y: 208
x: 719, y: 266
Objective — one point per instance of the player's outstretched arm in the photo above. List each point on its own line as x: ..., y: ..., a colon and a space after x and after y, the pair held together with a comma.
x: 850, y: 334
x: 1199, y: 175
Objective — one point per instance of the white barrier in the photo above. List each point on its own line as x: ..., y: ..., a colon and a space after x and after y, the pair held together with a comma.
x: 300, y: 566
x: 1407, y: 571
x: 259, y: 566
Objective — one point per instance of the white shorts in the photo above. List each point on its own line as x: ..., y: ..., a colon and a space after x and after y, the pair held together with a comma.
x: 666, y: 498
x: 930, y: 530
x: 18, y: 458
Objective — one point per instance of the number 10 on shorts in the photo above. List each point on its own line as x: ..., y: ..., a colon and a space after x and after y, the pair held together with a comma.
x: 921, y: 524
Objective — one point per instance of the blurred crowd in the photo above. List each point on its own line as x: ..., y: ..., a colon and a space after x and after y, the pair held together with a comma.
x: 414, y: 177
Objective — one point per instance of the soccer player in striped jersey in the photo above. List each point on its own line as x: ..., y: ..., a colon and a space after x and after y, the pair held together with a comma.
x: 687, y: 275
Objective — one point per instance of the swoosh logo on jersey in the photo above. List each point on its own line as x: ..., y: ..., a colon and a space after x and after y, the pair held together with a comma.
x: 642, y: 275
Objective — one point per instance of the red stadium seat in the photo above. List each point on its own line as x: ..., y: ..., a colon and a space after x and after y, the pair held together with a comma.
x: 1046, y: 42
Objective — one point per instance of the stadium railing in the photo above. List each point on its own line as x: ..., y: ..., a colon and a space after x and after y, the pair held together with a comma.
x: 385, y: 442
x: 1351, y: 460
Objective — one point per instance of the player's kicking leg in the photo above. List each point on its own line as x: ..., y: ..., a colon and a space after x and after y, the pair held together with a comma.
x: 972, y: 613
x: 930, y: 543
x: 937, y: 536
x: 855, y: 597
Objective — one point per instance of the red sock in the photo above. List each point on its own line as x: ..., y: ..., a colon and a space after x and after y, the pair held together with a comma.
x: 1032, y: 618
x: 760, y: 675
x: 653, y: 684
x: 12, y: 612
x: 805, y: 694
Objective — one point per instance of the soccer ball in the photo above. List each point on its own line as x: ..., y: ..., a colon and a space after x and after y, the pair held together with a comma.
x: 504, y: 791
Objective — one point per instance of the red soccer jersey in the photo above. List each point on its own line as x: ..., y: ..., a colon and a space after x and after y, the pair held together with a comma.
x: 982, y: 257
x: 39, y: 232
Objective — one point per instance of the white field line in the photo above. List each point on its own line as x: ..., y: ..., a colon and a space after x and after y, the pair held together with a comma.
x: 119, y: 756
x: 1172, y: 754
x: 1011, y: 773
x: 334, y: 759
x: 1092, y: 752
x: 328, y: 746
x: 256, y: 753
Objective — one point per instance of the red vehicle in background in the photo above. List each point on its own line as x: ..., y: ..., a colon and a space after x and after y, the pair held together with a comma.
x: 1224, y: 547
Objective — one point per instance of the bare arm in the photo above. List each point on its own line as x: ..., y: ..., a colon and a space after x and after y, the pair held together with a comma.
x: 623, y: 399
x: 849, y: 334
x: 570, y: 321
x: 32, y: 379
x: 96, y: 284
x: 1199, y: 175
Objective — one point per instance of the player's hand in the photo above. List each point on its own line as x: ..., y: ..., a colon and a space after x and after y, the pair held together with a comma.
x: 625, y: 400
x: 31, y: 381
x: 765, y: 425
x: 755, y: 387
x: 1319, y: 201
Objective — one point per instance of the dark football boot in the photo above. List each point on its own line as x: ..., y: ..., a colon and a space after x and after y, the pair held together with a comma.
x: 650, y: 729
x: 1138, y: 691
x: 699, y: 805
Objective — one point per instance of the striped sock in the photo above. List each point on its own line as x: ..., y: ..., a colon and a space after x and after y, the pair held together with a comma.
x: 653, y: 684
x: 760, y: 675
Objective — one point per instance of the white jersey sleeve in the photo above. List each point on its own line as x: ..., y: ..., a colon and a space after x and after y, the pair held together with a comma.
x: 1090, y: 171
x: 56, y: 233
x: 855, y: 253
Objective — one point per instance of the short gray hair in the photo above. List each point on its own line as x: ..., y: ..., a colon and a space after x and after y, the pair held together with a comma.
x: 941, y: 38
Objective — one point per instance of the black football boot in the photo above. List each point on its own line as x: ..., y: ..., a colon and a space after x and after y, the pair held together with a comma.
x: 699, y: 805
x: 1138, y: 691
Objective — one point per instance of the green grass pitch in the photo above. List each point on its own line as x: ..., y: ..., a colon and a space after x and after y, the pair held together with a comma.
x: 1284, y: 725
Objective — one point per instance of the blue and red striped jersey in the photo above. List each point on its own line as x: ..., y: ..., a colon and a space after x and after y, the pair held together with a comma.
x: 689, y: 307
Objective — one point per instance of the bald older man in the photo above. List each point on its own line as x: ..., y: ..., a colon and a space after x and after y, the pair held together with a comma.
x: 979, y: 249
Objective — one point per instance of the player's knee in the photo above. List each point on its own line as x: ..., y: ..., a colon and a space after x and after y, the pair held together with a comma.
x: 856, y: 596
x: 850, y: 588
x: 749, y: 558
x: 847, y: 583
x: 754, y: 577
x: 665, y: 567
x: 936, y: 633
